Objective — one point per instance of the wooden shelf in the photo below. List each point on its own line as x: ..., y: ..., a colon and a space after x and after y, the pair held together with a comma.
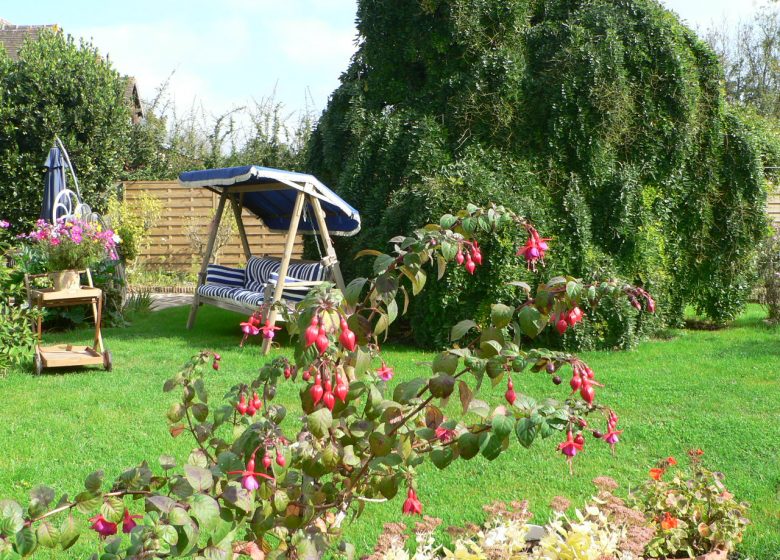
x: 64, y: 355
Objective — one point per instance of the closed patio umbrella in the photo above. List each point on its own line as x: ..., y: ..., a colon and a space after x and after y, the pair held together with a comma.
x: 55, y: 181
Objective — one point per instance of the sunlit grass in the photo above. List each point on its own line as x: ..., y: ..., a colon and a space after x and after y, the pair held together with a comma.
x: 718, y: 390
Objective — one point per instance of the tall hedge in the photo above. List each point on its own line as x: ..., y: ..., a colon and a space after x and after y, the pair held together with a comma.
x: 59, y: 88
x: 603, y: 120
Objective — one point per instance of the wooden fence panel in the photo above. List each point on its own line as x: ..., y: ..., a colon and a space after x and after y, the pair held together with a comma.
x: 773, y: 208
x: 169, y: 246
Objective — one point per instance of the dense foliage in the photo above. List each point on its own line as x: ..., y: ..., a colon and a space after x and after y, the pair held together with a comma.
x: 59, y: 88
x: 254, y: 481
x: 605, y: 121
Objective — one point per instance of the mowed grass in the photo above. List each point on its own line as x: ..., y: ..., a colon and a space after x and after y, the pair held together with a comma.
x: 717, y: 390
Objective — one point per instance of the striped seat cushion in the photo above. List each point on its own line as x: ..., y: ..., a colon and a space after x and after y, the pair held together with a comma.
x: 225, y: 276
x: 311, y: 272
x: 228, y: 293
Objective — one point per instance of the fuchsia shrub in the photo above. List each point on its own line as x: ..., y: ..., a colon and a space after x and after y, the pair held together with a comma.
x: 250, y: 484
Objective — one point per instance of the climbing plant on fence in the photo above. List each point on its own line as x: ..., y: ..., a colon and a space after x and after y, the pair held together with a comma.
x: 604, y: 121
x: 252, y: 484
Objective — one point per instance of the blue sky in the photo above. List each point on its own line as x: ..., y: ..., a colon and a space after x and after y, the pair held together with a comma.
x: 225, y: 53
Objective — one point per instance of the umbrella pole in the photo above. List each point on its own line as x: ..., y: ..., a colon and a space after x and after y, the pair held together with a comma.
x: 207, y: 257
x: 289, y: 245
x: 330, y: 253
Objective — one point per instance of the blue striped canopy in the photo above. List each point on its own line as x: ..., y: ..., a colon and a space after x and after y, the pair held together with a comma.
x: 274, y: 198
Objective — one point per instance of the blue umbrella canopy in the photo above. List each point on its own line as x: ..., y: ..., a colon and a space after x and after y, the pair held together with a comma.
x: 274, y: 197
x: 55, y: 181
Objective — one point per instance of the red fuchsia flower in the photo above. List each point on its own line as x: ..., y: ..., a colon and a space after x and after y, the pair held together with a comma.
x: 570, y: 448
x: 102, y: 526
x: 248, y: 480
x: 445, y: 435
x: 385, y: 373
x: 268, y: 330
x: 668, y: 522
x: 656, y: 473
x: 671, y: 461
x: 412, y: 506
x: 128, y: 522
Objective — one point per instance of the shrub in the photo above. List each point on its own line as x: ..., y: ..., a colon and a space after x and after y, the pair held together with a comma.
x: 251, y: 485
x: 132, y: 221
x: 769, y: 277
x: 555, y: 107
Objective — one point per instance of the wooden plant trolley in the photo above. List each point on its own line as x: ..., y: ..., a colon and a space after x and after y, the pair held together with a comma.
x: 69, y: 355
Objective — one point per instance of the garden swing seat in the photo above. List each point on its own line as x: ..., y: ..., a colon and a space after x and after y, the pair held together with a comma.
x: 286, y: 202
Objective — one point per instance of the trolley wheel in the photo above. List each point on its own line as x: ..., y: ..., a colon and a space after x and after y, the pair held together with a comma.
x: 108, y: 363
x: 38, y: 363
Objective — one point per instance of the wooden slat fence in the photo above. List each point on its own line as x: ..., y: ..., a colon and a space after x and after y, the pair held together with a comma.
x: 170, y: 248
x: 773, y: 208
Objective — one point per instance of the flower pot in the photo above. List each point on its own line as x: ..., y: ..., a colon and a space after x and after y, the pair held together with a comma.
x: 66, y: 280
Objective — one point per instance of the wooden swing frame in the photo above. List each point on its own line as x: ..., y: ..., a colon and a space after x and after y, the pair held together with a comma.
x: 234, y: 195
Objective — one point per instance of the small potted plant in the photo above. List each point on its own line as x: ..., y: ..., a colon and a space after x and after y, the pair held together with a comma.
x: 694, y: 515
x: 71, y: 245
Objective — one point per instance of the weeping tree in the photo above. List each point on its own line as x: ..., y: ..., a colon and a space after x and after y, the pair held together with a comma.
x: 604, y: 120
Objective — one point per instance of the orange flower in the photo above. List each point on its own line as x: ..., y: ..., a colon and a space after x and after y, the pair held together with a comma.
x: 672, y: 461
x: 656, y: 474
x: 668, y: 522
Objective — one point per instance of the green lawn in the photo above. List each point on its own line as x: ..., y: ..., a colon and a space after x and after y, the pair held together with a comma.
x: 718, y: 390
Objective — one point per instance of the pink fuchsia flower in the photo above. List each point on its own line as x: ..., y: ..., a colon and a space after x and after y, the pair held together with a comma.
x: 612, y: 435
x: 445, y: 435
x: 268, y: 330
x: 534, y: 249
x: 248, y: 480
x: 250, y: 483
x: 570, y: 448
x: 4, y: 224
x: 128, y: 522
x: 412, y: 506
x: 385, y: 373
x: 102, y: 526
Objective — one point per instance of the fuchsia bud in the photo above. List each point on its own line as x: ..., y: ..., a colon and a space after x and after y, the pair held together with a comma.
x: 342, y: 390
x: 470, y: 265
x: 347, y: 337
x: 459, y: 258
x: 329, y: 400
x: 322, y: 341
x: 310, y: 335
x: 287, y: 372
x: 280, y: 460
x: 587, y: 392
x: 510, y: 395
x: 316, y: 391
x: 241, y: 407
x: 266, y: 461
x: 256, y: 402
x: 561, y: 326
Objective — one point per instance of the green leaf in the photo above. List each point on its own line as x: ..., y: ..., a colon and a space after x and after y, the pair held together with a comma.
x: 406, y: 391
x: 353, y: 290
x: 69, y: 532
x: 320, y: 422
x: 280, y: 501
x: 469, y: 445
x: 572, y: 289
x: 94, y: 481
x: 163, y: 504
x: 238, y: 497
x: 442, y: 457
x: 113, y: 508
x: 531, y: 321
x: 447, y: 221
x: 48, y: 535
x: 199, y: 478
x: 380, y: 444
x: 12, y: 515
x: 523, y: 285
x: 442, y: 385
x: 445, y: 362
x: 448, y: 250
x: 167, y: 462
x: 502, y: 425
x: 87, y: 501
x: 480, y: 408
x: 461, y: 328
x: 42, y: 495
x: 205, y: 510
x: 526, y: 431
x: 25, y: 542
x: 368, y: 253
x: 381, y: 263
x: 492, y: 447
x: 200, y: 411
x: 168, y: 534
x: 501, y: 315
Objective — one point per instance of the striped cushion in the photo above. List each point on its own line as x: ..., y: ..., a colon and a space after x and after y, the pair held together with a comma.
x: 225, y: 275
x: 258, y: 269
x: 231, y: 294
